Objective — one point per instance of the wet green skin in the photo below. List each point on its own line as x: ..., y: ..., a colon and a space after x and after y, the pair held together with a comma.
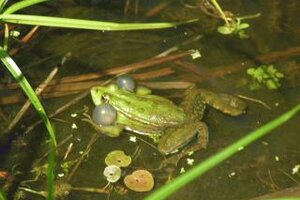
x: 145, y: 113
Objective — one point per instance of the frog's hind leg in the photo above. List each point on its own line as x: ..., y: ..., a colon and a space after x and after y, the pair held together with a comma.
x: 201, y: 143
x: 226, y: 103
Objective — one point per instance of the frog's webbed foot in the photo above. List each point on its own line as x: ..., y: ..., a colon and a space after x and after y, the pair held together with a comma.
x: 111, y: 131
x: 201, y: 143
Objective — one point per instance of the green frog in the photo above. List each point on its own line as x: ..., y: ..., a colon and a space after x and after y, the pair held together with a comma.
x: 145, y: 113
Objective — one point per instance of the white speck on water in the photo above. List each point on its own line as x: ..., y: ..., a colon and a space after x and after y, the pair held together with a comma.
x: 182, y: 170
x: 195, y: 54
x: 74, y: 115
x: 132, y: 139
x: 232, y: 174
x: 296, y: 169
x: 74, y: 126
x: 190, y: 161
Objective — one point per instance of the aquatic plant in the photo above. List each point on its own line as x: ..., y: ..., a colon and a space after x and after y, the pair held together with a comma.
x: 112, y: 173
x: 266, y: 75
x: 118, y: 158
x: 233, y: 25
x: 139, y: 181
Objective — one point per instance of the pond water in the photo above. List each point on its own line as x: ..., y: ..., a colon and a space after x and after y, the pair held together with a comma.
x: 263, y: 167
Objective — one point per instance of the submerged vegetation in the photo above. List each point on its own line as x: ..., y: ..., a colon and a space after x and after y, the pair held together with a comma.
x: 129, y: 105
x: 266, y: 75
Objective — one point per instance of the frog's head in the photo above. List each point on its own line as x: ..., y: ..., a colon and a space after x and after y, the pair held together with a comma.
x: 98, y: 93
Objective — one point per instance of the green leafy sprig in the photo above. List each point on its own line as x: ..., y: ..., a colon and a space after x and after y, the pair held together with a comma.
x: 266, y: 75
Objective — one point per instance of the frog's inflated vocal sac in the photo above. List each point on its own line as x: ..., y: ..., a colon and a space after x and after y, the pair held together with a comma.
x: 146, y: 113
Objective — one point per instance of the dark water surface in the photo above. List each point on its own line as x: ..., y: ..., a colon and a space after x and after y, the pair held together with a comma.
x: 264, y: 166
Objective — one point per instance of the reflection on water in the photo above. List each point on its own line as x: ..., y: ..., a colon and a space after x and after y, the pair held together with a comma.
x: 263, y: 167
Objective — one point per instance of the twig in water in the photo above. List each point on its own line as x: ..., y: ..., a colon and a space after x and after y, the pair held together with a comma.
x: 85, y: 153
x: 254, y: 100
x: 89, y: 189
x: 68, y: 150
x: 58, y: 146
x: 24, y: 40
x: 292, y: 178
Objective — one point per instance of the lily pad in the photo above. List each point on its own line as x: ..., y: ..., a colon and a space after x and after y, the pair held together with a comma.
x: 139, y: 181
x: 112, y: 173
x: 118, y: 158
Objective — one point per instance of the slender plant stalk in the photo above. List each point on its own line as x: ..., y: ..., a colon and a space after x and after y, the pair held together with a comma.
x: 6, y: 37
x: 2, y: 4
x: 17, y: 74
x: 219, y: 9
x: 284, y: 198
x: 20, y: 5
x: 216, y: 159
x: 2, y: 197
x: 82, y: 24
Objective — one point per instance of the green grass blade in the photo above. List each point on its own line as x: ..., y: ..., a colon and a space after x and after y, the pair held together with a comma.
x: 82, y: 24
x: 284, y: 198
x: 22, y: 81
x: 2, y: 4
x: 2, y: 197
x: 214, y: 160
x: 20, y: 5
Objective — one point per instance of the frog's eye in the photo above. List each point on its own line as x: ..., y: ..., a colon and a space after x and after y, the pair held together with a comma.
x: 105, y: 98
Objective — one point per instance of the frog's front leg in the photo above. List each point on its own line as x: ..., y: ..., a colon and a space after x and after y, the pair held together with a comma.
x: 200, y: 131
x: 111, y: 131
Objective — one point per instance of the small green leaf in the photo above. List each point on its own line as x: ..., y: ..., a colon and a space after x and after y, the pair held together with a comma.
x: 225, y: 30
x: 118, y: 158
x: 243, y: 34
x: 112, y: 173
x: 250, y: 71
x: 243, y: 26
x: 272, y: 85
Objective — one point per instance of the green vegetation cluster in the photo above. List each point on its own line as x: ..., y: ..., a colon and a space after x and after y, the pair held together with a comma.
x: 265, y: 75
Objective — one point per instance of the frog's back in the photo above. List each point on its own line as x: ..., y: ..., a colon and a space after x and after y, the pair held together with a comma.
x: 148, y: 109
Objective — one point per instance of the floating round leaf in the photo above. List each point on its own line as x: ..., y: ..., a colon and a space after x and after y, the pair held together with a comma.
x: 126, y: 82
x: 139, y: 181
x: 104, y: 114
x: 112, y: 173
x: 118, y: 158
